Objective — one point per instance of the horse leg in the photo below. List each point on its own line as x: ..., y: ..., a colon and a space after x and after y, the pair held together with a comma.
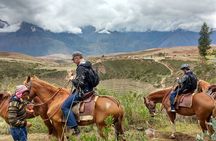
x: 172, y: 117
x: 49, y: 125
x: 119, y: 131
x: 59, y: 130
x: 202, y: 123
x: 209, y: 126
x: 101, y: 127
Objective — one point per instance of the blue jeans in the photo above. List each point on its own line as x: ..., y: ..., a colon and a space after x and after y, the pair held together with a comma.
x: 172, y: 97
x: 67, y: 112
x: 19, y: 133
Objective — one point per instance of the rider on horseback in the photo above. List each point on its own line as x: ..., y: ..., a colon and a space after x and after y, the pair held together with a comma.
x: 84, y: 81
x: 187, y: 83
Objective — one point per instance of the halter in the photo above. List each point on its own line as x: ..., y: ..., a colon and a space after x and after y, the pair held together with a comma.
x: 29, y: 85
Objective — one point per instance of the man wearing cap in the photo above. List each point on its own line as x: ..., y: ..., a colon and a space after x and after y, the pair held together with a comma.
x: 17, y: 114
x: 187, y: 83
x: 82, y: 85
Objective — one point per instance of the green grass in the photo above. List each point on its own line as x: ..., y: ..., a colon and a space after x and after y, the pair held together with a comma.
x: 144, y: 70
x: 205, y: 71
x: 136, y: 114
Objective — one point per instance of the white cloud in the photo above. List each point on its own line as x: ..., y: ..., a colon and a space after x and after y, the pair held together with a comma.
x: 121, y: 15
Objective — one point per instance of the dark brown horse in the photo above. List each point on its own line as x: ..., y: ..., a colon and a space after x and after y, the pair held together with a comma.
x: 202, y: 106
x: 105, y: 106
x: 38, y: 111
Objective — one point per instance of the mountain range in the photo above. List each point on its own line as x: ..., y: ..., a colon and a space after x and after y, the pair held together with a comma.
x: 33, y: 40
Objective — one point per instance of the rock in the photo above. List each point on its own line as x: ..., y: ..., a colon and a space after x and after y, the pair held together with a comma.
x: 150, y: 132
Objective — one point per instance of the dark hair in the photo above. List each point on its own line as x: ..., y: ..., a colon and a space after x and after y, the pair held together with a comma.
x: 75, y: 54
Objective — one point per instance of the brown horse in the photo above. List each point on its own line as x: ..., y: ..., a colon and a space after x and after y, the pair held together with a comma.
x: 40, y: 110
x: 155, y: 97
x: 202, y: 86
x: 202, y: 107
x: 105, y: 106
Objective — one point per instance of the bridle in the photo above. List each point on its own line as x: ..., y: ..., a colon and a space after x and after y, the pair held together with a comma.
x: 29, y: 85
x: 150, y: 105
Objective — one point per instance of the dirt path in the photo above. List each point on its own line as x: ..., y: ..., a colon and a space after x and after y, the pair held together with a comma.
x: 162, y: 82
x: 31, y: 137
x: 160, y: 136
x: 165, y: 136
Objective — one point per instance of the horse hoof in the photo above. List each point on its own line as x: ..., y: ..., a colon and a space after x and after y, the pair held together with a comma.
x: 172, y: 136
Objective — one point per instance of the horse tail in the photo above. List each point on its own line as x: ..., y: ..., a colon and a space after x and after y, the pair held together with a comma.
x: 214, y: 110
x: 118, y: 123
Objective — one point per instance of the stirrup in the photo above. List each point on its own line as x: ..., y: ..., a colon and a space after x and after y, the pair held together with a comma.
x: 173, y: 110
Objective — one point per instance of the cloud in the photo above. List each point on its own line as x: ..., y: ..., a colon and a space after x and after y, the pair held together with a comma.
x: 120, y: 15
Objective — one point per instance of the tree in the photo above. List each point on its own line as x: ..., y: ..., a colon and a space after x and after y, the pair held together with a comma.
x: 204, y: 40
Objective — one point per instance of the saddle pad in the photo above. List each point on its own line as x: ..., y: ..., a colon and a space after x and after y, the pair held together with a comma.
x: 184, y: 100
x: 84, y: 110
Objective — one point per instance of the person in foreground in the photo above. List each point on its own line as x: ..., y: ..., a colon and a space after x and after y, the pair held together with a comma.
x: 17, y: 114
x: 84, y: 82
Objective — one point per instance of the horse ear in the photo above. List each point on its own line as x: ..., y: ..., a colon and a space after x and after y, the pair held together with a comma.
x: 1, y: 95
x: 35, y: 77
x: 144, y: 99
x: 28, y: 79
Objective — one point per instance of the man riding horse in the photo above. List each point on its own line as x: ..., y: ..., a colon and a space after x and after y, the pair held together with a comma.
x: 187, y: 83
x: 84, y: 81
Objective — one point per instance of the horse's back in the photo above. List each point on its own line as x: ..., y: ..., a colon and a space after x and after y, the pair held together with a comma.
x: 203, y: 100
x: 108, y: 105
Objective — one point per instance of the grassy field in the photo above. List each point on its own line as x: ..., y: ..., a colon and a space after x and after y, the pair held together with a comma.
x: 127, y: 80
x: 205, y: 71
x: 147, y: 71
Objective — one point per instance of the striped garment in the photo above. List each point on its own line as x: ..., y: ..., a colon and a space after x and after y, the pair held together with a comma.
x: 17, y: 112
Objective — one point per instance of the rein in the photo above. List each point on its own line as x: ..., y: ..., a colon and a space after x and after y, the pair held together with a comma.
x: 40, y: 104
x: 59, y: 89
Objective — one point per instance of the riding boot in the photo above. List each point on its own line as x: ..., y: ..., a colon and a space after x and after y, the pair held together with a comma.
x: 76, y: 131
x: 173, y: 108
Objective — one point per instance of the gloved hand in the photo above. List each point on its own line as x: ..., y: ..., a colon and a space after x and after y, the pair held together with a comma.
x: 72, y: 77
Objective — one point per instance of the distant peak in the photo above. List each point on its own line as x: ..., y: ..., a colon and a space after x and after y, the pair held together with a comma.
x: 25, y: 26
x: 88, y: 29
x: 3, y: 24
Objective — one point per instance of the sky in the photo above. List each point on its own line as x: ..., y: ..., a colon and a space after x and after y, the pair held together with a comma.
x: 113, y: 15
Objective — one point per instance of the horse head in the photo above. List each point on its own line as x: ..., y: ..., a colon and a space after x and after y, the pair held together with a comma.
x: 29, y: 84
x: 4, y: 95
x: 151, y: 105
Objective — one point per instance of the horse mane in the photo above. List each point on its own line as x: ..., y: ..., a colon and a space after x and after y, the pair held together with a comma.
x: 46, y: 84
x: 160, y: 90
x: 4, y: 95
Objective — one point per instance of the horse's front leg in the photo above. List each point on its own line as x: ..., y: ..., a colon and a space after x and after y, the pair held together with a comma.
x: 172, y: 117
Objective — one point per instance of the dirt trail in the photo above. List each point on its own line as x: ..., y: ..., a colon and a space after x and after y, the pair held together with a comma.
x: 160, y: 136
x: 31, y: 137
x: 162, y: 82
x: 165, y: 136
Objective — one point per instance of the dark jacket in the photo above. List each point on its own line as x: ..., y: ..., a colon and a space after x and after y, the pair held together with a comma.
x: 188, y: 81
x: 82, y: 80
x: 16, y: 112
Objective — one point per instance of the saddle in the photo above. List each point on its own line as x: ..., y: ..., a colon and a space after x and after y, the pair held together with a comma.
x: 212, y: 91
x: 84, y: 110
x: 184, y: 99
